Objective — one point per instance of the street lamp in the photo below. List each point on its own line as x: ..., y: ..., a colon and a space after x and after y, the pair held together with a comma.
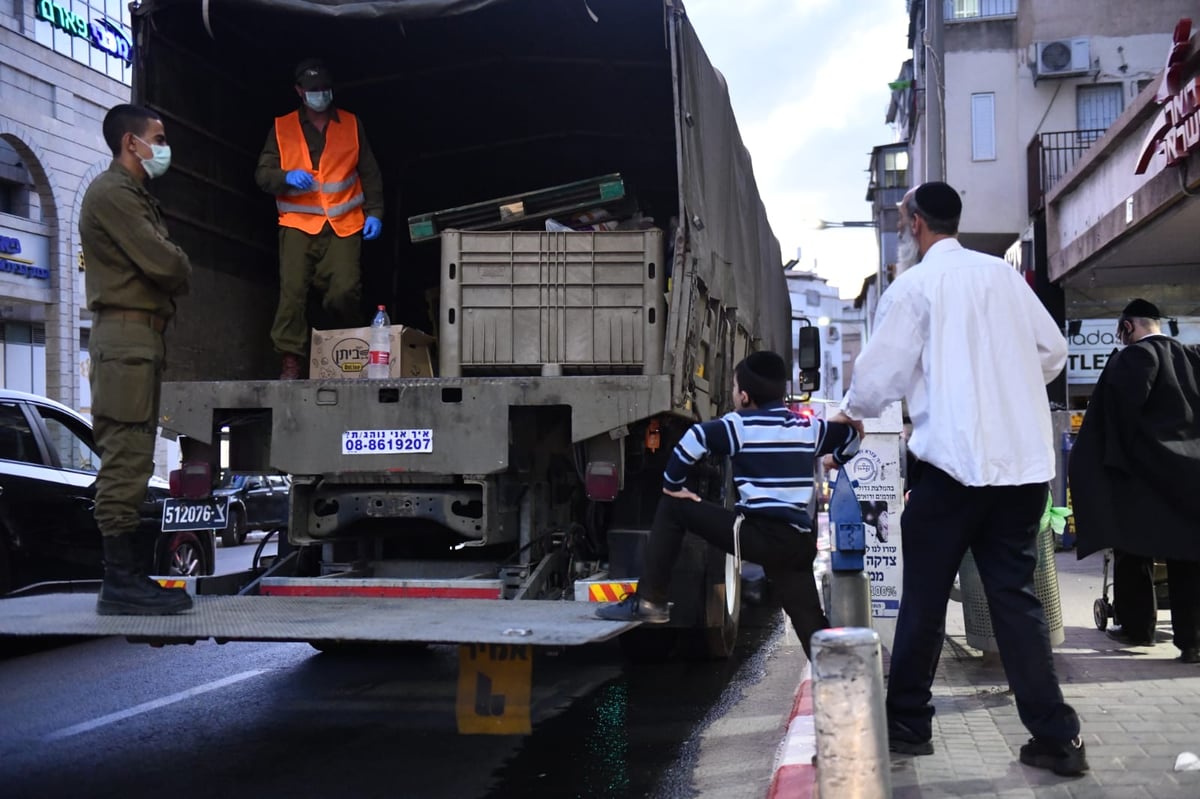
x: 822, y: 224
x: 825, y: 321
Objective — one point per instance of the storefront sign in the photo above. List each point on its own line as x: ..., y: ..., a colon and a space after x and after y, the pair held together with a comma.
x: 1088, y: 350
x: 102, y: 34
x: 15, y: 260
x: 1090, y: 347
x: 1176, y: 130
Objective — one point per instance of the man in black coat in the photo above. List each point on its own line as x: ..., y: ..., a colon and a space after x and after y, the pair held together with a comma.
x: 1135, y: 478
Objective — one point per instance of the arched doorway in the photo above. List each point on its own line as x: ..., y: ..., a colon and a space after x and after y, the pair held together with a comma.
x: 37, y: 317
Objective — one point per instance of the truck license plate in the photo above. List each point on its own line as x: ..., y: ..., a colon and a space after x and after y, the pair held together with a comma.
x: 386, y: 442
x: 194, y: 514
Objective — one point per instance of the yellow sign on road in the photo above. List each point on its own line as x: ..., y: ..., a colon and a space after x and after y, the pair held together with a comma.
x: 494, y: 687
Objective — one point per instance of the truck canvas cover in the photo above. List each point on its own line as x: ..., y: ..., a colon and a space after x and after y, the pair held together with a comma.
x: 461, y: 100
x: 480, y: 98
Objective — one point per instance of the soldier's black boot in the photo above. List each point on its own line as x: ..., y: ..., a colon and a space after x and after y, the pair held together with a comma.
x: 127, y: 592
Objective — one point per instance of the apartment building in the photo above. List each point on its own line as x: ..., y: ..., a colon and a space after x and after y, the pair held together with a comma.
x: 63, y: 64
x: 1122, y: 221
x: 889, y: 171
x: 1022, y: 74
x: 1011, y: 102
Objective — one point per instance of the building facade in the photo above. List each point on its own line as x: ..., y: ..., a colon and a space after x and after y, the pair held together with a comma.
x: 1015, y: 77
x: 1033, y: 110
x: 815, y: 302
x: 63, y: 64
x: 1122, y: 222
x: 889, y: 171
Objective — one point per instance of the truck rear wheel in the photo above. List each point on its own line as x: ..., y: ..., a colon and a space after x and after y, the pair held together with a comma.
x: 723, y: 608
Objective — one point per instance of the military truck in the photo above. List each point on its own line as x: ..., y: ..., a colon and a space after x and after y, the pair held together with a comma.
x: 494, y: 501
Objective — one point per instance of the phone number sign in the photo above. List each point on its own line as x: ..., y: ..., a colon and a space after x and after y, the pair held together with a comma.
x: 386, y: 442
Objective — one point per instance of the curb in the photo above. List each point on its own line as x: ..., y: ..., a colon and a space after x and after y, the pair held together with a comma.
x: 795, y: 775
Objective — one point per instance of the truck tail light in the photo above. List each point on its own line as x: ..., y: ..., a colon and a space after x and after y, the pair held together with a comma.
x: 601, y: 481
x: 653, y: 436
x: 191, y: 481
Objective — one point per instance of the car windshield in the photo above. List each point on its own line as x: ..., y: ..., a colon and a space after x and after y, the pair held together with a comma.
x: 230, y: 480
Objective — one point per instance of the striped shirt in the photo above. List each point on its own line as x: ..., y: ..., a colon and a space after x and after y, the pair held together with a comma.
x: 774, y: 455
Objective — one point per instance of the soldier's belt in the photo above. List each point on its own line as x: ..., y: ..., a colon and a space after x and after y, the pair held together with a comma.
x: 158, y: 323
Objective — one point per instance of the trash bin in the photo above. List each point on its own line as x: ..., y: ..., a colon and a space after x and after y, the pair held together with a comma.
x: 977, y: 617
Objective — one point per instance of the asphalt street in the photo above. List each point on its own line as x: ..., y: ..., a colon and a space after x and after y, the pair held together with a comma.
x: 104, y: 717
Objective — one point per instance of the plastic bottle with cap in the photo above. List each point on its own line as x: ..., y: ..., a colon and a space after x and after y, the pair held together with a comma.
x: 380, y: 354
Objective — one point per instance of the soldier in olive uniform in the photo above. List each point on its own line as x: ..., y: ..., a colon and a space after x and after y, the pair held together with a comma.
x: 134, y: 272
x: 329, y: 193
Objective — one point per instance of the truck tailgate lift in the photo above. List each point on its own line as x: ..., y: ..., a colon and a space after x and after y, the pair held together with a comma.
x: 295, y: 618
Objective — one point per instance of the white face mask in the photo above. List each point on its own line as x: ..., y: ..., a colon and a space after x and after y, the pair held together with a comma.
x: 908, y: 253
x: 160, y: 160
x: 319, y: 101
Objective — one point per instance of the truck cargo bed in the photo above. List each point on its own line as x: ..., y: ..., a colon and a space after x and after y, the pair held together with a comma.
x: 343, y: 619
x: 304, y: 420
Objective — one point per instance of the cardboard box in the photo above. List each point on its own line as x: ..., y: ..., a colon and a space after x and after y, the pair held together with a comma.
x: 339, y: 354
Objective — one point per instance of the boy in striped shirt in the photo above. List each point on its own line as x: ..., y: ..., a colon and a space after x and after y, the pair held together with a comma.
x: 774, y: 454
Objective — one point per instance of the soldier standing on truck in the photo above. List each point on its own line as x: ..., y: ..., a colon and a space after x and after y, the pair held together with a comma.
x: 134, y: 272
x: 329, y: 193
x: 774, y: 454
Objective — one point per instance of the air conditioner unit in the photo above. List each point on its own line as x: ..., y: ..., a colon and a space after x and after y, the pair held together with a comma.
x: 1061, y: 58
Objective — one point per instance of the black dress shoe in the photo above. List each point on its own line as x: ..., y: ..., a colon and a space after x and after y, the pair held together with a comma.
x: 899, y: 746
x: 1119, y: 635
x: 1190, y: 655
x: 1065, y: 758
x: 904, y: 741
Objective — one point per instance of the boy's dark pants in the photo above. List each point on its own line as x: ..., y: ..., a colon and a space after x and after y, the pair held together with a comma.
x: 785, y: 553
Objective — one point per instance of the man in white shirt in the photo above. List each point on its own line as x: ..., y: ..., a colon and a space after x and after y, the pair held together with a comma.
x: 965, y: 341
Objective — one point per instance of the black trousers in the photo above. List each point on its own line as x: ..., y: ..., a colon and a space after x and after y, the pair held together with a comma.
x: 785, y: 553
x: 1135, y: 603
x: 999, y: 524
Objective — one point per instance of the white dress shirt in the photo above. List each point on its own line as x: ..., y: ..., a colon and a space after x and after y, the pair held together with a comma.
x: 964, y: 339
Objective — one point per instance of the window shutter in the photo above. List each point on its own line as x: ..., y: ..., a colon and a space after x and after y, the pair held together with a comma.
x: 983, y: 127
x: 1097, y: 107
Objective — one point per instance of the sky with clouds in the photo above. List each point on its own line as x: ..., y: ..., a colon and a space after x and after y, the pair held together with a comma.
x: 809, y: 84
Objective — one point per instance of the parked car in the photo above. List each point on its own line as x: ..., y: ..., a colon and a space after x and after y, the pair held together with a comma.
x: 256, y: 502
x: 48, y: 466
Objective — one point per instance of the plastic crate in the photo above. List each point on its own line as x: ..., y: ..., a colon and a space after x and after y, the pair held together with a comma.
x: 531, y: 302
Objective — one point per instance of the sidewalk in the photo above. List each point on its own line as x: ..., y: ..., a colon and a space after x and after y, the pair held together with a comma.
x: 1139, y: 710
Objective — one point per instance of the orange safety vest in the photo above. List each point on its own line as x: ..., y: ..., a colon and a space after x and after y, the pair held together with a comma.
x: 337, y: 193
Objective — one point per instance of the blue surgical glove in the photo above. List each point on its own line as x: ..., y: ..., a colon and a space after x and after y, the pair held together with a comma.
x: 300, y: 179
x: 372, y: 228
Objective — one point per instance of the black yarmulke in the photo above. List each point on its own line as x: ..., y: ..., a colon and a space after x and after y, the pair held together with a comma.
x: 938, y: 200
x: 1141, y: 309
x: 767, y: 365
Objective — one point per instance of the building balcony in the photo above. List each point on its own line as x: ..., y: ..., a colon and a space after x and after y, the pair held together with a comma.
x: 1050, y: 156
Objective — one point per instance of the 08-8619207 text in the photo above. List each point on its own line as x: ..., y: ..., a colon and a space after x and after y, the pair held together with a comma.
x: 386, y: 442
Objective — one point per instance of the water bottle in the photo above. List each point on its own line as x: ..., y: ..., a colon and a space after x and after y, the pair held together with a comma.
x: 380, y: 354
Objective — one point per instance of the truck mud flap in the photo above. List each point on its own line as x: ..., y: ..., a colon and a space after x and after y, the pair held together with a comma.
x: 304, y: 618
